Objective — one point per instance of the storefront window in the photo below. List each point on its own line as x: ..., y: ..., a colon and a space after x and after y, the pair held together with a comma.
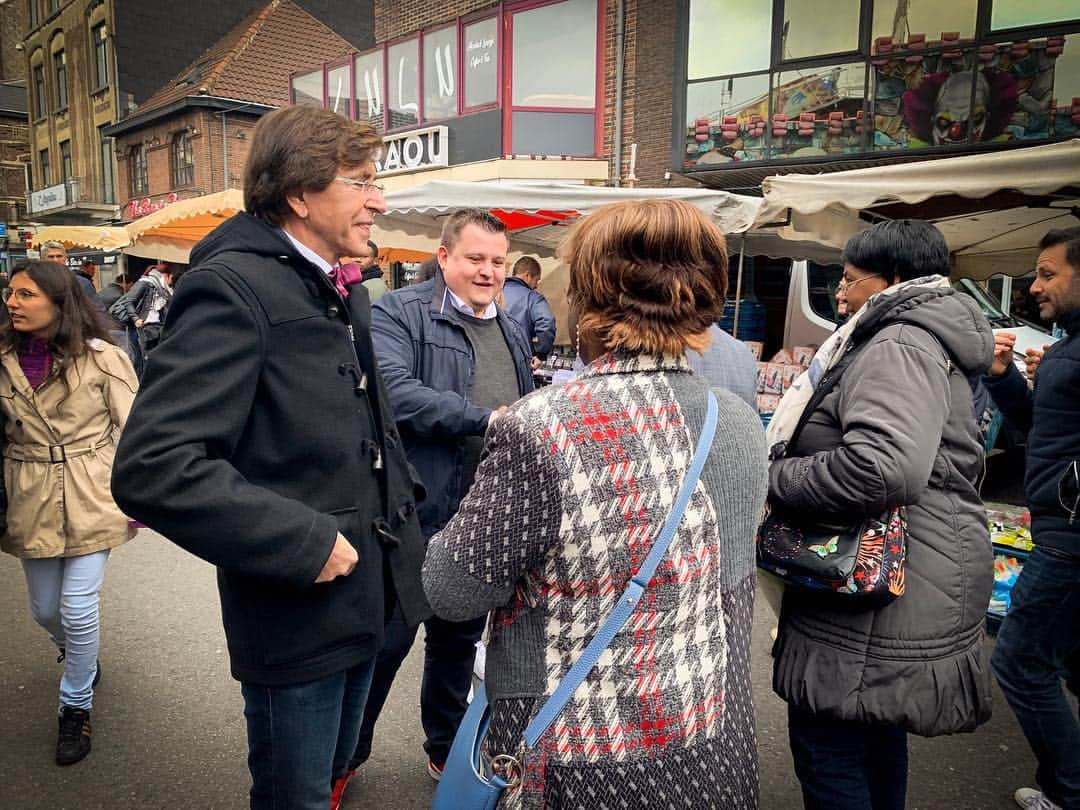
x: 308, y: 89
x: 998, y: 92
x: 338, y: 90
x: 818, y: 112
x: 729, y: 36
x: 403, y: 84
x: 1021, y: 13
x: 440, y: 74
x: 369, y: 75
x: 905, y: 21
x: 481, y: 63
x: 726, y: 120
x: 808, y: 32
x: 554, y: 52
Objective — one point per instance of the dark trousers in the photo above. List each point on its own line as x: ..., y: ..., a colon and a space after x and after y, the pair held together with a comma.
x: 449, y: 651
x: 844, y: 765
x: 1037, y: 646
x: 300, y: 737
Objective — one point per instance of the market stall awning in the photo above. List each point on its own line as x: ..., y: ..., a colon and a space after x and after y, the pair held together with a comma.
x: 170, y: 233
x: 537, y: 214
x: 101, y: 237
x: 993, y: 208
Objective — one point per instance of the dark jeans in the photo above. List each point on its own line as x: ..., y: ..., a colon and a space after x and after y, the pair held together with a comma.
x: 300, y: 737
x: 449, y: 651
x: 1037, y: 646
x: 844, y: 765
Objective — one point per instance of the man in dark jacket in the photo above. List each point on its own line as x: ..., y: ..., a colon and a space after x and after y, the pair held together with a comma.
x: 262, y: 441
x: 452, y: 360
x: 371, y: 274
x: 529, y: 308
x: 1039, y: 642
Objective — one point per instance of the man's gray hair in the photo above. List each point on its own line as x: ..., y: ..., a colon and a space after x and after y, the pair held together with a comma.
x: 52, y: 244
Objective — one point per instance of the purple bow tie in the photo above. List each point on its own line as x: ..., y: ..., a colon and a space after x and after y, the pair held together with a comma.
x: 345, y: 275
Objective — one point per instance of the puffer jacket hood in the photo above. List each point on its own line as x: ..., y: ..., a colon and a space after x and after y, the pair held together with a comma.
x: 953, y: 318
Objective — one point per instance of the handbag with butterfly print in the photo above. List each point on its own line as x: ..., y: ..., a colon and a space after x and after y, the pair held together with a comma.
x: 863, y: 562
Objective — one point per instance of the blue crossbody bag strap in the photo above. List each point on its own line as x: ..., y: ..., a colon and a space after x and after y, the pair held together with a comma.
x: 634, y: 590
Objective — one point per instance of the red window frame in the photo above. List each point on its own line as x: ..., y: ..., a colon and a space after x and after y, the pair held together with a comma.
x: 419, y: 82
x: 292, y: 76
x: 463, y: 23
x: 350, y: 91
x: 381, y: 51
x: 459, y: 94
x: 508, y: 106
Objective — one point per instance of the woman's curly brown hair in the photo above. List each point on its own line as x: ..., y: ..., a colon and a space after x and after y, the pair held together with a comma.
x: 647, y: 277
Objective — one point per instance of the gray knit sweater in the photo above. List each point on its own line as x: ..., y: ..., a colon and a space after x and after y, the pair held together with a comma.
x: 573, y: 489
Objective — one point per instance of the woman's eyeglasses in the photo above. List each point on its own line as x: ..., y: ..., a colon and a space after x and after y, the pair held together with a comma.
x: 847, y: 285
x: 1069, y: 490
x: 21, y: 293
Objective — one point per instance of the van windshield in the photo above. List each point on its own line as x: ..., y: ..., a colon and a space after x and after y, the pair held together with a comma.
x: 991, y: 309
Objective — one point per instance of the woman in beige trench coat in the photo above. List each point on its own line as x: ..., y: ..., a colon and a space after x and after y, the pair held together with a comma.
x: 64, y: 389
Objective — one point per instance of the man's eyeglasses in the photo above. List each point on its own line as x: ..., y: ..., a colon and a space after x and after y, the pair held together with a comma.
x: 366, y: 186
x: 1069, y: 490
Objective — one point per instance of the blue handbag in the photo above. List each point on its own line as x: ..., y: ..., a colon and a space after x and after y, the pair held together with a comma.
x: 470, y: 780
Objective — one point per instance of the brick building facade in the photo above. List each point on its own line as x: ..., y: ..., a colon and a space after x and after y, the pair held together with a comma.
x: 192, y: 136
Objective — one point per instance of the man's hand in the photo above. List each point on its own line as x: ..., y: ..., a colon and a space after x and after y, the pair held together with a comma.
x: 1003, y: 353
x: 536, y: 363
x: 1032, y: 358
x: 342, y: 560
x: 138, y: 323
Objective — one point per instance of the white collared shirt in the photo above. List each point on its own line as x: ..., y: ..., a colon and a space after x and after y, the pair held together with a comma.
x: 309, y: 254
x: 461, y: 306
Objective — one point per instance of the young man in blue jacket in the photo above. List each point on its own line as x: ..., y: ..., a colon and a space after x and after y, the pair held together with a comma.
x: 1039, y: 642
x: 452, y: 360
x: 529, y: 308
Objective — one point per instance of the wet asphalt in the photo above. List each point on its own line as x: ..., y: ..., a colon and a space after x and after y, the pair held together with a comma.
x: 168, y: 729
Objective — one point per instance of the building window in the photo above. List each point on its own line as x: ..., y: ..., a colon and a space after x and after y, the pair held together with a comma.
x: 101, y: 55
x: 183, y: 160
x: 46, y: 169
x: 403, y: 88
x: 368, y: 70
x: 1022, y: 13
x: 929, y: 75
x: 308, y: 89
x: 480, y: 67
x: 41, y: 103
x: 54, y: 6
x: 440, y: 74
x: 339, y: 88
x: 140, y: 180
x: 65, y: 160
x: 807, y: 32
x: 33, y: 15
x: 108, y: 178
x: 60, y: 71
x: 553, y: 75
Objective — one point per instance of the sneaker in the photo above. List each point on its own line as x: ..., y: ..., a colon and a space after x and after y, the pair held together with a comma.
x: 339, y: 790
x: 435, y: 771
x: 1031, y: 799
x: 73, y: 742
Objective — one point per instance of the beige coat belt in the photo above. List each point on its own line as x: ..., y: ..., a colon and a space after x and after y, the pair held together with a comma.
x: 50, y: 453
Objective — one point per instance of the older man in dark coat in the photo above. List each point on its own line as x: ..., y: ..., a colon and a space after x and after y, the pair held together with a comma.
x: 262, y: 441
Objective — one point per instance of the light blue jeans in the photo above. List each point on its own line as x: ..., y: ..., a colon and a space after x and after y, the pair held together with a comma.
x: 64, y: 600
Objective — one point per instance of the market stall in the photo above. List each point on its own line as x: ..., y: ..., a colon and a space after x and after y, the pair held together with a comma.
x: 170, y: 233
x: 97, y: 237
x: 993, y: 208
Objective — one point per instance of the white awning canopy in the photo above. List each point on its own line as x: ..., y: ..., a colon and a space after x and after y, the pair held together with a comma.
x: 415, y: 215
x: 996, y: 238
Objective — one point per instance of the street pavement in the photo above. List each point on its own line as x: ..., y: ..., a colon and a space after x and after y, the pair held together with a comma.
x: 169, y: 731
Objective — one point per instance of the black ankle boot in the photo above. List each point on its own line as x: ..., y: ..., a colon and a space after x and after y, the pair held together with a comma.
x: 73, y: 742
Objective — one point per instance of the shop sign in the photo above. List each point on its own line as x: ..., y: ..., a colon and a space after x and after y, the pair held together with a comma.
x: 3, y: 230
x: 46, y: 198
x: 140, y: 208
x: 417, y: 149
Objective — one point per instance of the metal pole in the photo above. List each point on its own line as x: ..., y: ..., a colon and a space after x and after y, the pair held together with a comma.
x: 738, y: 288
x: 620, y: 25
x: 224, y: 154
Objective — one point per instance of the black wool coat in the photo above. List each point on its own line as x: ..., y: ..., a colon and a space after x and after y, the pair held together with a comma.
x: 261, y: 430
